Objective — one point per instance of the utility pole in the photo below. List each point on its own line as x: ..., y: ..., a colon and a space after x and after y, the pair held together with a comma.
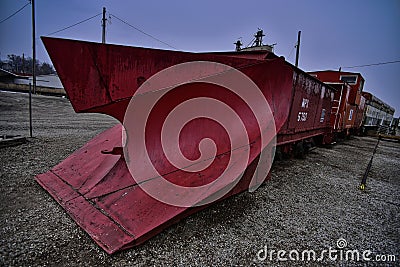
x: 33, y: 46
x: 298, y: 49
x: 30, y: 110
x: 103, y: 25
x: 33, y: 67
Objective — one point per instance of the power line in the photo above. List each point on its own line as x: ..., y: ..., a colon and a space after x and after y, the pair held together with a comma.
x: 82, y: 21
x: 15, y: 13
x: 139, y: 30
x: 373, y: 64
x: 291, y: 51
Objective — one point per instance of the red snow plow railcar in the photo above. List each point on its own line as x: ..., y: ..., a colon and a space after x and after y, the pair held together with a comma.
x: 96, y: 184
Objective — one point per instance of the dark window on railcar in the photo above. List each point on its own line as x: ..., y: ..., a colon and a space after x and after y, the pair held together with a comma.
x: 350, y: 79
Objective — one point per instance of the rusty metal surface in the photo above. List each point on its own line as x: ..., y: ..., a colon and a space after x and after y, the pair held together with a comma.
x: 96, y: 188
x: 106, y: 202
x: 96, y: 76
x: 310, y: 109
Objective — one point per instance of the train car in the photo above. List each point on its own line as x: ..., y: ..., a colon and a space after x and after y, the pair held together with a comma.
x: 359, y: 118
x: 340, y: 110
x: 378, y: 115
x: 309, y: 116
x: 309, y: 122
x: 348, y: 104
x: 354, y: 79
x: 98, y: 184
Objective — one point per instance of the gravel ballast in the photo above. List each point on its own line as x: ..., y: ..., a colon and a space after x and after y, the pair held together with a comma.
x: 309, y: 204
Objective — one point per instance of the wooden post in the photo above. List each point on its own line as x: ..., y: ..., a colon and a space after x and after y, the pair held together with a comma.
x: 298, y: 49
x: 103, y: 25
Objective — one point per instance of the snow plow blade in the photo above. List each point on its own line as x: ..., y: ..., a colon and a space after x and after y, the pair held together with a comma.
x: 95, y: 184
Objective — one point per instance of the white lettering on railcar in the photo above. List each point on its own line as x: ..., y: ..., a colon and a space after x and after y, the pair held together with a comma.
x: 302, y: 116
x: 323, y: 92
x: 304, y: 103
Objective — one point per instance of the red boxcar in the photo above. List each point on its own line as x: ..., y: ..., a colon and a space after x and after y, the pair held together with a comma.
x: 354, y: 79
x: 348, y: 104
x: 310, y: 113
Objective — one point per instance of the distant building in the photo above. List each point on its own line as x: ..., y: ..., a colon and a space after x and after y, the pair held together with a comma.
x: 7, y: 77
x: 50, y: 80
x: 377, y: 112
x: 45, y: 84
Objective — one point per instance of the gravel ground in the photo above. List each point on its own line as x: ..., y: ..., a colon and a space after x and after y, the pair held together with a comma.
x: 308, y: 204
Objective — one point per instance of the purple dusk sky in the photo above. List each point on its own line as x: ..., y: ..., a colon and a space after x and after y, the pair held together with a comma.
x: 334, y: 33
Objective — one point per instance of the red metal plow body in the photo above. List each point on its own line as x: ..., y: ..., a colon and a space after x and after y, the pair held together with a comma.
x: 96, y: 188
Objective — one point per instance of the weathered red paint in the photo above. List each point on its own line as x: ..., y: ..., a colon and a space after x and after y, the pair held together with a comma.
x: 340, y: 114
x: 310, y: 109
x: 102, y: 78
x: 331, y: 76
x: 348, y: 106
x: 96, y: 188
